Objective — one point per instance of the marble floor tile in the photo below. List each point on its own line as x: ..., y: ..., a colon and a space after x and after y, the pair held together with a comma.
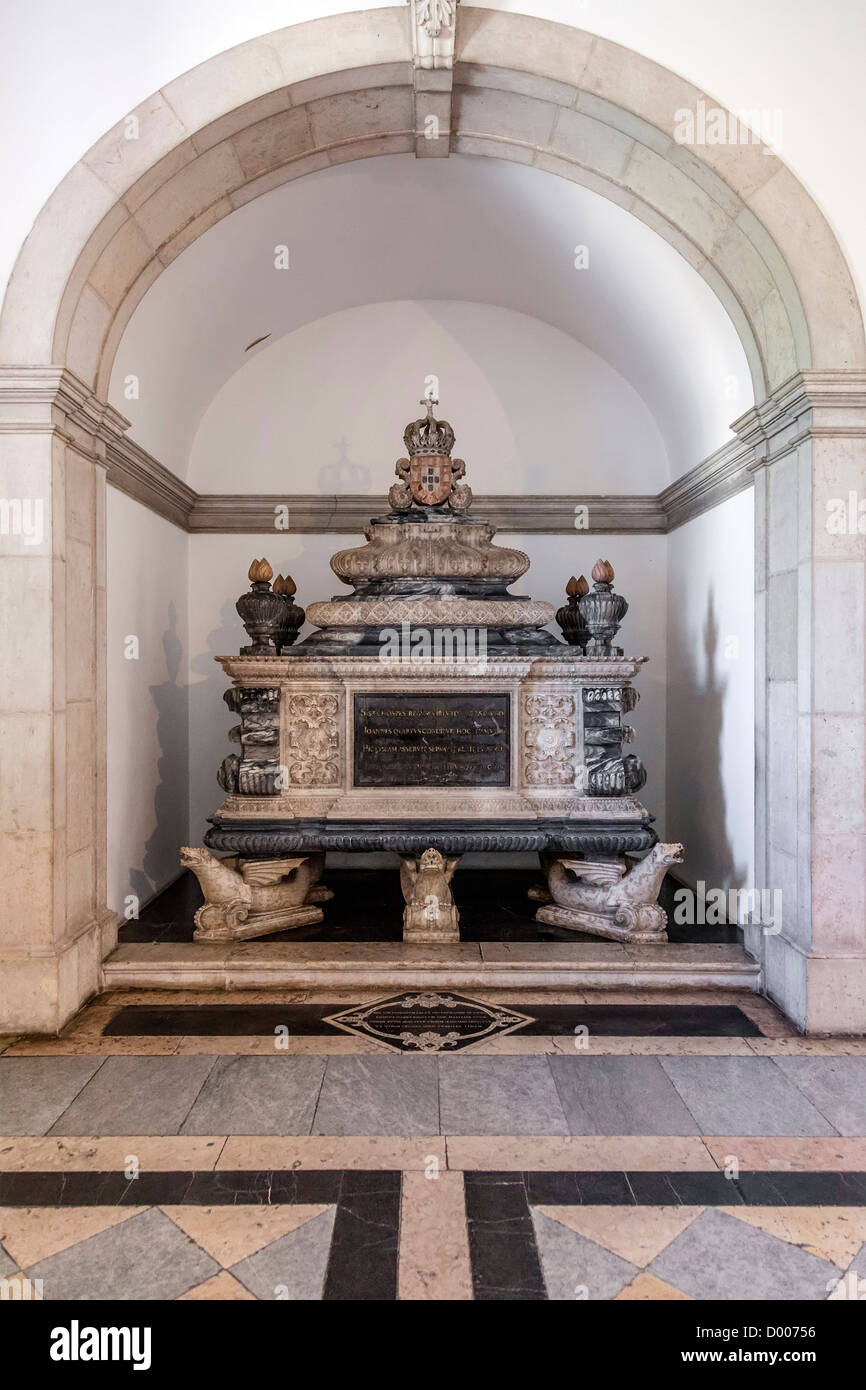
x: 378, y: 1096
x: 782, y: 1154
x: 835, y: 1085
x: 146, y: 1257
x: 721, y: 1257
x: 256, y: 1095
x: 592, y: 1153
x: 230, y: 1234
x: 369, y: 1152
x: 434, y: 1242
x: 499, y: 1095
x: 222, y: 1288
x: 31, y: 1234
x: 743, y: 1095
x: 103, y: 1155
x: 619, y: 1095
x: 34, y: 1091
x: 574, y: 1268
x: 648, y: 1287
x: 95, y: 1047
x: 831, y: 1233
x: 636, y: 1234
x: 365, y: 1245
x: 130, y: 1095
x: 7, y: 1264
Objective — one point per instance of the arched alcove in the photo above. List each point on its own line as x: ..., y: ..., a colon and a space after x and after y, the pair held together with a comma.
x: 524, y: 90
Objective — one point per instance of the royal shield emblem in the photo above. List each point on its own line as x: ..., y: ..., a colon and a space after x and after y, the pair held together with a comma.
x: 430, y: 479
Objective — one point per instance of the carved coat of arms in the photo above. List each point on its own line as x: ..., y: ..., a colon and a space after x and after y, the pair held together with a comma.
x: 430, y: 480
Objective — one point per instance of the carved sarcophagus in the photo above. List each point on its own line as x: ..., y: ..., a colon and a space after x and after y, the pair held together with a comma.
x: 431, y: 709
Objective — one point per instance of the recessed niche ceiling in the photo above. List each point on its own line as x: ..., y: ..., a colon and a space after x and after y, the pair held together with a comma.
x: 461, y: 229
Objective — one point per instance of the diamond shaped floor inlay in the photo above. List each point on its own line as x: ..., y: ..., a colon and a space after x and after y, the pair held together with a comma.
x: 428, y: 1022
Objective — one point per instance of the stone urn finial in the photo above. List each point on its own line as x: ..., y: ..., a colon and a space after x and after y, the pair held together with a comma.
x: 574, y: 629
x: 602, y: 611
x: 293, y: 615
x: 260, y: 610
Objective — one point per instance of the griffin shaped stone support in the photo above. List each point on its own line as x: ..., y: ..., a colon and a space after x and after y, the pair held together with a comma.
x: 254, y: 897
x: 607, y: 898
x: 429, y: 914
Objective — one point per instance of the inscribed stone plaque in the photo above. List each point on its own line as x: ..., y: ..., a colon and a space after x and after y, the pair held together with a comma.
x: 406, y: 740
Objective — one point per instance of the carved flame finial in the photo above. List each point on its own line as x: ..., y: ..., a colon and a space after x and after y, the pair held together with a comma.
x: 260, y: 571
x: 602, y: 572
x: 576, y: 588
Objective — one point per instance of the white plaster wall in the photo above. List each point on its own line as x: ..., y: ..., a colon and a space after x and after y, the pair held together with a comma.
x: 147, y: 700
x: 218, y: 566
x: 710, y: 696
x: 323, y: 409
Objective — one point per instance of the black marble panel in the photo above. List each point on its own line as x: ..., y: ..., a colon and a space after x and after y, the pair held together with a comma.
x: 409, y: 740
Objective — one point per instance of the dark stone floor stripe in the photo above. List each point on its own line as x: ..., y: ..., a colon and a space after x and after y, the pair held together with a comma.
x: 497, y: 1203
x: 308, y: 1020
x: 502, y: 1250
x: 363, y: 1261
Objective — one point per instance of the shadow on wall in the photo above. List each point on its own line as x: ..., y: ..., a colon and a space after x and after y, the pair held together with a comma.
x: 209, y: 741
x: 160, y: 863
x: 697, y: 815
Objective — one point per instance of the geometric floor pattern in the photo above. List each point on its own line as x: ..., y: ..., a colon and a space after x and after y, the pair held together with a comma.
x: 565, y: 1253
x: 220, y: 1155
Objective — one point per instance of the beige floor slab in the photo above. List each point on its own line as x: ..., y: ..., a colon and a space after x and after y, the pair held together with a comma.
x: 293, y: 1045
x: 231, y: 1233
x: 311, y: 1151
x: 784, y: 1154
x: 637, y: 1234
x: 434, y: 1244
x: 647, y: 1286
x: 223, y: 1288
x: 808, y: 1047
x: 590, y: 1153
x: 89, y: 1046
x: 832, y: 1233
x: 109, y: 1155
x: 31, y: 1234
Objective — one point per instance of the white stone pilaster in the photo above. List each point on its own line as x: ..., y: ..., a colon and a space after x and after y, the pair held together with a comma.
x: 54, y: 928
x: 809, y: 440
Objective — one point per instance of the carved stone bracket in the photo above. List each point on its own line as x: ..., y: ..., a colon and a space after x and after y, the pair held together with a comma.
x: 605, y: 897
x: 429, y: 914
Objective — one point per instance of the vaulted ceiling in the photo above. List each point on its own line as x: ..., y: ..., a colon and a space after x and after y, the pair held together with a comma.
x: 464, y: 229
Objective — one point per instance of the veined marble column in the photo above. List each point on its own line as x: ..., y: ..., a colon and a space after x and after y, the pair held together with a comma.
x: 810, y: 623
x: 54, y: 925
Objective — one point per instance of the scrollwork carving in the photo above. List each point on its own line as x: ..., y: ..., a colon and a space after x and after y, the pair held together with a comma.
x: 314, y: 740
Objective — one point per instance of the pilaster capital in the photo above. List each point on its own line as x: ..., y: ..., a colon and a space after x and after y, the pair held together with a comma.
x: 36, y: 399
x: 810, y: 402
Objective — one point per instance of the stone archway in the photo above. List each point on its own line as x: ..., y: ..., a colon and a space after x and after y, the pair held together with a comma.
x: 364, y: 84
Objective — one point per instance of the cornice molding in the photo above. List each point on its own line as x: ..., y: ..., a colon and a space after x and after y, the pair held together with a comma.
x: 727, y: 471
x: 133, y: 470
